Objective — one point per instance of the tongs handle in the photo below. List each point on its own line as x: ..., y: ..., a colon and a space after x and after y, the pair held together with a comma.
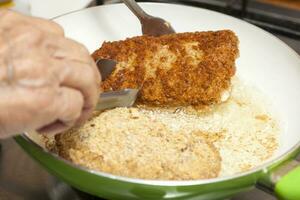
x: 136, y: 9
x: 113, y: 99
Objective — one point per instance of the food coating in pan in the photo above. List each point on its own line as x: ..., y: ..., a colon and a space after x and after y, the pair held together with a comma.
x: 129, y: 142
x: 176, y: 69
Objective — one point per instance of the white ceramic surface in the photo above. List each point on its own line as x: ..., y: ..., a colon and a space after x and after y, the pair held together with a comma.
x: 265, y: 61
x: 52, y: 8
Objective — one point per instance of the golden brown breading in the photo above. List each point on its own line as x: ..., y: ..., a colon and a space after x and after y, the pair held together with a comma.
x: 129, y: 142
x: 177, y: 69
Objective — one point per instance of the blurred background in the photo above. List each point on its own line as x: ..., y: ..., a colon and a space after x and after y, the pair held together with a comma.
x: 23, y: 179
x: 281, y: 17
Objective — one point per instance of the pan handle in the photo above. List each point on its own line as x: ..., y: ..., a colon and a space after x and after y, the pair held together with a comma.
x: 287, y: 187
x: 283, y: 181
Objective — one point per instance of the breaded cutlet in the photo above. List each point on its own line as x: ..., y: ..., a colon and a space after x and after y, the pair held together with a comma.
x: 129, y: 142
x: 176, y: 69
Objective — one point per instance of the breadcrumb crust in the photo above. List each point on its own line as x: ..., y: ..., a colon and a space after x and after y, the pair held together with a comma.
x: 176, y: 69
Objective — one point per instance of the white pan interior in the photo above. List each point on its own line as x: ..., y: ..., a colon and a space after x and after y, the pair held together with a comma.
x: 265, y: 62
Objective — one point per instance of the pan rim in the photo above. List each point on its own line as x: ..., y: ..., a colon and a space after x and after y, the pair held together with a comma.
x: 261, y: 168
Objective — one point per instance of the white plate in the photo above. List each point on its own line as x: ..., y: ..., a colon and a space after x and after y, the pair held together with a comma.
x: 265, y: 61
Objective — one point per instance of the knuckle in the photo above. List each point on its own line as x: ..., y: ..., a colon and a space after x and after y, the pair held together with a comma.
x: 80, y: 47
x: 25, y: 34
x: 44, y: 25
x: 80, y: 101
x: 91, y: 78
x: 46, y: 97
x: 41, y: 101
x: 73, y: 103
x: 56, y: 27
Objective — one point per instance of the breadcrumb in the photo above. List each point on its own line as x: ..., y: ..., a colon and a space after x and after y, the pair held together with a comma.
x: 128, y: 142
x: 176, y: 69
x: 180, y: 143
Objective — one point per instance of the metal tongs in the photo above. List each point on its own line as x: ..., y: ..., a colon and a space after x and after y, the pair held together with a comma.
x: 112, y: 99
x: 151, y: 25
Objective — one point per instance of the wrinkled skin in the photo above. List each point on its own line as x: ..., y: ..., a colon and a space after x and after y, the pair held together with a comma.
x: 55, y: 82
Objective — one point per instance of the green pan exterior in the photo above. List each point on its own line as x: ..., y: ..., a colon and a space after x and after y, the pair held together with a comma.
x: 288, y: 187
x: 119, y: 189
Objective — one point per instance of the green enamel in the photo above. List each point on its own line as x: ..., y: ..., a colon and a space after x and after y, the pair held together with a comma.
x: 288, y: 187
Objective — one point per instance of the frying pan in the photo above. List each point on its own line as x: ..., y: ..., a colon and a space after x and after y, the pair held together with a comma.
x: 265, y: 62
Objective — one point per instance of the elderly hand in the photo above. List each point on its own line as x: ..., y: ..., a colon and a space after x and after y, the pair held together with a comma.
x: 47, y: 82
